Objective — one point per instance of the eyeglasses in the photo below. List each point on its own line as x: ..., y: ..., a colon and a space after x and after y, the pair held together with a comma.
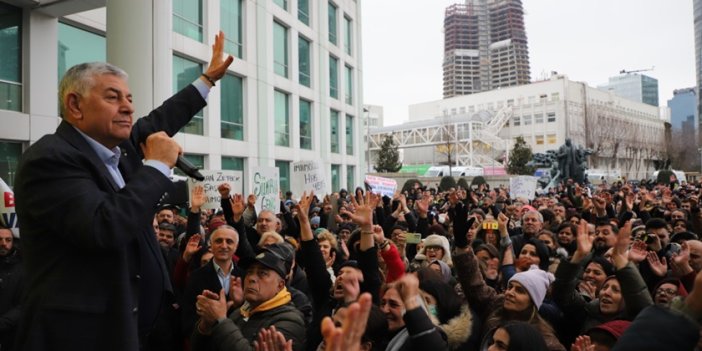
x: 669, y: 292
x: 433, y: 248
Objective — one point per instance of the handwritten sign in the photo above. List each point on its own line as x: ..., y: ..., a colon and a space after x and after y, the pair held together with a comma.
x: 522, y: 186
x: 308, y: 176
x: 8, y: 216
x: 266, y: 186
x: 382, y: 186
x: 213, y: 179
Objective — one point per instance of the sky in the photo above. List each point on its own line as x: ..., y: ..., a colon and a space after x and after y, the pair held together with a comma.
x: 587, y: 40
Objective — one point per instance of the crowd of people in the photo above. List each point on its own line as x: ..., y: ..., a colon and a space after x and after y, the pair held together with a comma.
x: 463, y: 269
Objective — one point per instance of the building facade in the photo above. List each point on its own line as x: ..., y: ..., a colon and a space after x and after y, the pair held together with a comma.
x: 485, y: 46
x: 633, y: 86
x: 683, y: 112
x: 697, y: 13
x: 623, y: 135
x: 293, y: 92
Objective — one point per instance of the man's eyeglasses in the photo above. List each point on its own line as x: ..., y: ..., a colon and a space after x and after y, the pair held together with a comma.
x: 669, y: 292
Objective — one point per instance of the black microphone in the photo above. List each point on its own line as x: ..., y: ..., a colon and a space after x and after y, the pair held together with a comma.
x: 188, y: 168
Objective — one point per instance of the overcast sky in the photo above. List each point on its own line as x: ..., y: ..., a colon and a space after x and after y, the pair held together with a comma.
x: 587, y: 40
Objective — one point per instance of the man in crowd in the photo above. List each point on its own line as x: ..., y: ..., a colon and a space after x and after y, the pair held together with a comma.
x: 86, y: 197
x: 10, y: 288
x: 262, y: 302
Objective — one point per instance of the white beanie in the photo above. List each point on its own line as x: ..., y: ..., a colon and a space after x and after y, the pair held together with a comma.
x: 441, y: 241
x: 536, y: 282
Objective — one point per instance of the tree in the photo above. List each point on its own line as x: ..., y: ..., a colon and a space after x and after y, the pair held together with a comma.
x: 518, y: 158
x: 388, y: 159
x: 448, y: 146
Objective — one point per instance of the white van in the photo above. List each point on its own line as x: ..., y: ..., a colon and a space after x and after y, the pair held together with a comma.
x: 437, y: 171
x: 466, y: 171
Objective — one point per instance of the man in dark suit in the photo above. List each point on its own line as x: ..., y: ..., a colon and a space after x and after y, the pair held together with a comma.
x: 95, y: 275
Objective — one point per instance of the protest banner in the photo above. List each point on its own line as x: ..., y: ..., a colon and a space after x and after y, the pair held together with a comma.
x: 522, y: 186
x: 308, y: 176
x: 266, y: 186
x: 212, y: 181
x: 380, y: 185
x: 8, y: 216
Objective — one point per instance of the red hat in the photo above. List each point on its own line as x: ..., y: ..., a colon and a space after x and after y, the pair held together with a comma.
x: 616, y: 328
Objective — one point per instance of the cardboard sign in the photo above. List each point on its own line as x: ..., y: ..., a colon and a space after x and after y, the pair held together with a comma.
x: 380, y: 185
x: 308, y: 176
x: 8, y: 216
x: 266, y: 186
x: 522, y: 186
x: 214, y: 179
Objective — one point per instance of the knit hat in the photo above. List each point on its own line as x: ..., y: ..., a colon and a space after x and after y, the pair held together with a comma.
x: 315, y: 220
x: 441, y: 241
x: 445, y: 270
x: 536, y: 282
x: 615, y: 328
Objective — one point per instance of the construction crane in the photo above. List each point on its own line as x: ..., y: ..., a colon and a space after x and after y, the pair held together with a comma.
x: 637, y: 71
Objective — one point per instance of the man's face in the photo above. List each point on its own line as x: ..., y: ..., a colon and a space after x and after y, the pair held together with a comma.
x: 6, y: 241
x: 261, y: 284
x: 166, y: 238
x: 677, y: 215
x: 105, y: 112
x: 663, y: 235
x: 165, y: 215
x: 347, y: 284
x: 695, y: 254
x: 560, y: 211
x: 224, y: 242
x: 531, y: 225
x: 686, y: 205
x: 266, y: 222
x: 665, y: 294
x: 605, y: 237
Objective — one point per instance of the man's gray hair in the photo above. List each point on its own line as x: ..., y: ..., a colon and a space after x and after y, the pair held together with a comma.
x: 538, y: 215
x: 225, y: 227
x: 80, y: 78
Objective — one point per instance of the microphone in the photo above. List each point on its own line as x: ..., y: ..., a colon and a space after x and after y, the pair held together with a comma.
x: 188, y: 168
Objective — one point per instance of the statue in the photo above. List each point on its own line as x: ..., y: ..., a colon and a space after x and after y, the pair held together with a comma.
x: 568, y: 162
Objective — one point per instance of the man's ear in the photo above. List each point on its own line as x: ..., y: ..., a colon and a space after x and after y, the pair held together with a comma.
x: 72, y: 104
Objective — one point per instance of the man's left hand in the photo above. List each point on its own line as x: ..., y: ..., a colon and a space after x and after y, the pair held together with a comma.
x: 218, y: 64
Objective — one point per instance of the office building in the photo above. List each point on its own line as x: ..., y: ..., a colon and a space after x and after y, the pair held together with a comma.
x: 293, y: 92
x: 485, y: 46
x: 633, y: 86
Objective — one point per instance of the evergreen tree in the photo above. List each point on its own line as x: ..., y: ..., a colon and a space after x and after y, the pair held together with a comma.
x: 519, y: 157
x: 388, y: 160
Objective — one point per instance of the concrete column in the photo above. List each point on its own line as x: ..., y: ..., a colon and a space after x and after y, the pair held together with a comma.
x: 41, y: 81
x: 139, y: 41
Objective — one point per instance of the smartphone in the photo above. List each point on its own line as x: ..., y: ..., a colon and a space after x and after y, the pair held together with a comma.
x: 414, y: 238
x: 489, y: 224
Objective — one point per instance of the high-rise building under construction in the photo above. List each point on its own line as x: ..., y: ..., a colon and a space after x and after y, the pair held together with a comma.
x: 485, y: 46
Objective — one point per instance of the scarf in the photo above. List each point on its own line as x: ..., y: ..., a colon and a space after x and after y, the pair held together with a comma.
x: 280, y: 299
x: 400, y: 338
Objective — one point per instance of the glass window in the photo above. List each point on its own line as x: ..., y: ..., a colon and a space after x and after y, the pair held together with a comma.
x: 305, y: 125
x: 334, y: 123
x: 197, y: 160
x: 350, y: 178
x: 516, y: 121
x: 230, y: 17
x: 282, y: 117
x: 349, y: 135
x: 538, y: 118
x: 551, y: 138
x: 555, y: 97
x: 283, y: 175
x: 78, y: 46
x: 185, y: 72
x: 303, y: 11
x: 280, y: 49
x: 187, y: 18
x: 527, y: 120
x: 10, y: 58
x: 9, y: 158
x: 282, y: 3
x: 551, y: 117
x: 332, y: 22
x: 539, y: 140
x: 304, y: 61
x: 333, y: 77
x: 231, y: 163
x: 336, y: 174
x: 232, y: 104
x: 348, y: 26
x: 348, y: 94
